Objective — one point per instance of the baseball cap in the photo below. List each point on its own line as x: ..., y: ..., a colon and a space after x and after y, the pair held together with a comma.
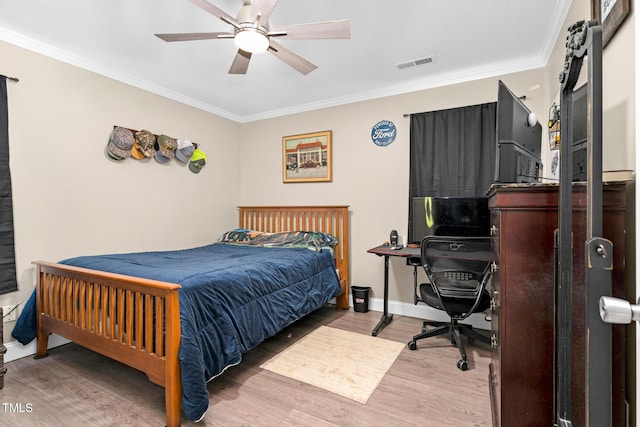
x: 158, y: 156
x: 143, y: 144
x: 136, y: 153
x: 184, y: 150
x: 120, y: 144
x: 165, y: 148
x: 198, y: 160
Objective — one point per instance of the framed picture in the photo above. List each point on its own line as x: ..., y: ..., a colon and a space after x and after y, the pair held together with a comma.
x: 307, y: 157
x: 610, y: 14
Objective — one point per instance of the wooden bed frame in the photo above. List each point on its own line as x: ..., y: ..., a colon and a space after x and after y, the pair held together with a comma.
x: 89, y: 307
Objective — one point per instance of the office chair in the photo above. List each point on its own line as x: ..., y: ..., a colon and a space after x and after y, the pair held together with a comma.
x: 458, y: 269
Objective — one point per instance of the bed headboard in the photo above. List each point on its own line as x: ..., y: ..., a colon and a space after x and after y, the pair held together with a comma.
x: 327, y: 219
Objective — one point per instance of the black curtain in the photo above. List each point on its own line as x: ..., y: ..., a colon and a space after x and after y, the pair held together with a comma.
x: 8, y: 281
x: 452, y: 153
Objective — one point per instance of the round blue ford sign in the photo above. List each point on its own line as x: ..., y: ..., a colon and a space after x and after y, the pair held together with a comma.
x: 383, y: 133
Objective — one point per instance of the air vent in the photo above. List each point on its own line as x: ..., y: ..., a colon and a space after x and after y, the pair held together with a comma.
x: 414, y: 63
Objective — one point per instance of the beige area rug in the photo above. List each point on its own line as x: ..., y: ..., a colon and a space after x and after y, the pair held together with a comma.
x: 346, y: 363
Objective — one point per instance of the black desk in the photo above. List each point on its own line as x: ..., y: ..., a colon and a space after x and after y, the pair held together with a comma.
x: 413, y: 258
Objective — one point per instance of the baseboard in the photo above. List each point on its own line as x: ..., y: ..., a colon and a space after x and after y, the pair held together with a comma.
x: 15, y: 350
x: 423, y: 311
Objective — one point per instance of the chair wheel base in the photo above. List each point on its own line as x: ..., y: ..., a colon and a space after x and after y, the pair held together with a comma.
x: 412, y: 345
x: 463, y: 365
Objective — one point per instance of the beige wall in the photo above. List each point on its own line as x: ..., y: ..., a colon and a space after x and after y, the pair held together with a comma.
x: 618, y: 99
x: 618, y: 88
x: 374, y: 180
x: 69, y: 199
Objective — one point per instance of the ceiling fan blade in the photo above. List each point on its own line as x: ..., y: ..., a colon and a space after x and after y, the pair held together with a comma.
x: 240, y: 62
x: 314, y: 30
x: 292, y: 59
x: 181, y: 37
x: 214, y: 10
x: 262, y: 7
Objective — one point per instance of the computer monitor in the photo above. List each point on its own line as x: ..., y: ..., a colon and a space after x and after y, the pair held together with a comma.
x: 449, y: 216
x: 518, y: 140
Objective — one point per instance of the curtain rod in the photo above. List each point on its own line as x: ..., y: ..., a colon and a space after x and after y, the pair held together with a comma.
x: 15, y: 79
x: 521, y: 98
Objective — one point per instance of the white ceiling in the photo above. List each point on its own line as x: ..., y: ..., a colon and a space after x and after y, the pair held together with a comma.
x: 468, y: 39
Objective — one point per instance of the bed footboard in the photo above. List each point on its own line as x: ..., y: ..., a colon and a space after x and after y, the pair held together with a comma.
x: 132, y: 320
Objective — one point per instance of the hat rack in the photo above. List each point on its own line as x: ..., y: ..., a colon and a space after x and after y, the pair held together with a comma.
x: 196, y: 145
x: 142, y: 144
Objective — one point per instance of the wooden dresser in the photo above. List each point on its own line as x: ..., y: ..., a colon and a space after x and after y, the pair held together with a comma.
x: 521, y: 377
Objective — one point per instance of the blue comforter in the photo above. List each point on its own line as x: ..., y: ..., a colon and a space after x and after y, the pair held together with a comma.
x: 232, y: 298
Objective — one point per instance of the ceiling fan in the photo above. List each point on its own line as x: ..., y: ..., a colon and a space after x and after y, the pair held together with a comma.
x: 252, y: 34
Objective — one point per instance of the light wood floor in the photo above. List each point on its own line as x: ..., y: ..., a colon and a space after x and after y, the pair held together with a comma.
x: 76, y: 387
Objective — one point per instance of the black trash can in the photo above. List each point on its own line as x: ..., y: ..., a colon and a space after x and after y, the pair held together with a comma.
x: 360, y: 298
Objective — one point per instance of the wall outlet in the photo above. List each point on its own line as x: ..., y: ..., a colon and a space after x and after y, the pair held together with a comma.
x: 8, y: 315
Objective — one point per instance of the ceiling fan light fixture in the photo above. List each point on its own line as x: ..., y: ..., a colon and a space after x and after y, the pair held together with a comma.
x: 251, y: 40
x: 252, y: 34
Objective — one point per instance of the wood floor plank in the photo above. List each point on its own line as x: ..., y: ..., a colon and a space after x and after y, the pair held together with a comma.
x: 300, y: 419
x: 76, y: 387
